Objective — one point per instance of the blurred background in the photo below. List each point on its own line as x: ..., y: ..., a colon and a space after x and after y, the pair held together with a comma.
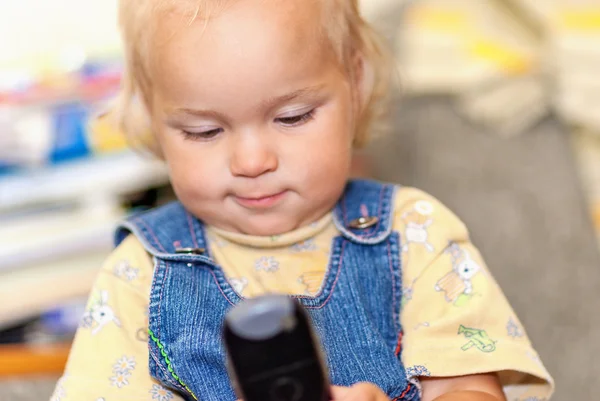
x: 498, y: 116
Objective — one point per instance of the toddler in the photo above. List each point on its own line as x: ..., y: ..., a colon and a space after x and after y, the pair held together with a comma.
x: 256, y: 106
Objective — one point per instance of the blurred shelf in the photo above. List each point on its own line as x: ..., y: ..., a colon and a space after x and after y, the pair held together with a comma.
x: 31, y: 290
x: 80, y: 181
x: 26, y: 360
x: 46, y: 237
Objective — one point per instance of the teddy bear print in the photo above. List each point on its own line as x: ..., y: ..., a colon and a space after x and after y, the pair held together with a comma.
x: 457, y: 283
x: 418, y: 220
x: 312, y: 282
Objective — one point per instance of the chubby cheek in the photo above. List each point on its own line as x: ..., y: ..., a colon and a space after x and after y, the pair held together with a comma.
x: 194, y: 174
x: 325, y: 161
x: 327, y: 164
x: 186, y: 181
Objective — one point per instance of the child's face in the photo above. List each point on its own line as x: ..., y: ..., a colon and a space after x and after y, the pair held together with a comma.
x: 254, y: 115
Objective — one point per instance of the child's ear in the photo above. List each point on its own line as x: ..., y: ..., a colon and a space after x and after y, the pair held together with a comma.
x: 362, y: 76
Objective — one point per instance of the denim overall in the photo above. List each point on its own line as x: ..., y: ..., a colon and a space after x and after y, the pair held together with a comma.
x: 356, y: 313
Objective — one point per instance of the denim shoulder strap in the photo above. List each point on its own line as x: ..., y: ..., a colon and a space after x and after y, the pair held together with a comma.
x: 364, y: 214
x: 164, y: 231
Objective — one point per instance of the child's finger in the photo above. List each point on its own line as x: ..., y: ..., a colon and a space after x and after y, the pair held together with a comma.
x: 339, y: 393
x: 359, y: 392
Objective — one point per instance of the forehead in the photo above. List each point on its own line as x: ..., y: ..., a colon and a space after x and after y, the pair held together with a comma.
x: 245, y: 41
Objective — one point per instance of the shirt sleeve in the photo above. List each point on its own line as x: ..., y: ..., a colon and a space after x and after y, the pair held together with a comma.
x: 456, y: 319
x: 109, y: 356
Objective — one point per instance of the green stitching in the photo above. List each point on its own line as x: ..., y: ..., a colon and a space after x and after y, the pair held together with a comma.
x: 168, y: 361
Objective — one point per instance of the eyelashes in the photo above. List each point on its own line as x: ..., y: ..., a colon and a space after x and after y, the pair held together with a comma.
x: 287, y: 122
x: 296, y: 120
x: 203, y: 135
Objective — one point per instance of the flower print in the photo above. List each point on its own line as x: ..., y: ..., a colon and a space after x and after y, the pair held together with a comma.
x: 513, y: 329
x: 308, y: 245
x: 267, y: 263
x: 122, y: 370
x: 124, y: 365
x: 120, y: 380
x: 417, y: 370
x: 160, y: 393
x: 124, y: 270
x: 131, y: 273
x: 120, y: 267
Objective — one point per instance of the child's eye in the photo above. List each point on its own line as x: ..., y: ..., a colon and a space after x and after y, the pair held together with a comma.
x: 296, y: 120
x: 203, y: 135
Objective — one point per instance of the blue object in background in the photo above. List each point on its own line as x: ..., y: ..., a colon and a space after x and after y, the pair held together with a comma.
x: 70, y: 133
x: 63, y: 321
x: 6, y: 169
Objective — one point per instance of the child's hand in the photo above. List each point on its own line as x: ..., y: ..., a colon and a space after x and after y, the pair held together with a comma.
x: 359, y: 392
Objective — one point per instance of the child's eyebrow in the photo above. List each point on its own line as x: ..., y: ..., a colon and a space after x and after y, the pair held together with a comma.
x: 199, y: 113
x: 309, y: 91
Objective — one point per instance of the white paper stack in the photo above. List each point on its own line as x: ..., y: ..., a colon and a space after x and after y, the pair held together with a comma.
x: 50, y: 257
x: 56, y: 227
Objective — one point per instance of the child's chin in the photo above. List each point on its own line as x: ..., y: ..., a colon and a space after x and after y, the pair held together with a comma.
x: 268, y: 226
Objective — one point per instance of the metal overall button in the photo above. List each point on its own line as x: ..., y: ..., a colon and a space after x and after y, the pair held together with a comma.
x: 191, y: 251
x: 364, y: 222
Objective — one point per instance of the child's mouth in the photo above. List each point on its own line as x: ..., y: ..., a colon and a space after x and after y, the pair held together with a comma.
x: 261, y: 202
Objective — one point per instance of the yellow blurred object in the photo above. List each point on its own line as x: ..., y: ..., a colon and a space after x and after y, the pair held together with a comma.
x: 442, y: 20
x: 471, y: 49
x: 510, y: 60
x: 451, y: 46
x: 105, y: 137
x: 586, y: 20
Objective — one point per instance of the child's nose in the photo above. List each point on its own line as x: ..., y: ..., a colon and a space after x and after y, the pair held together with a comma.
x: 253, y: 157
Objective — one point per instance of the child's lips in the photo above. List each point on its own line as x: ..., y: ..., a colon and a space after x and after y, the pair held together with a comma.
x: 260, y: 202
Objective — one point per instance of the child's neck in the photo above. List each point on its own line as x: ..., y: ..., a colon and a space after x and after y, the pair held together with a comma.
x: 298, y: 235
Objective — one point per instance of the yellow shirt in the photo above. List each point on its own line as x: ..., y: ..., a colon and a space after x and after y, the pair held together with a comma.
x: 446, y: 285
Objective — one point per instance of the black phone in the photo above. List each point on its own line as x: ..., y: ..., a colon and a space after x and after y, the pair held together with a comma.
x: 273, y: 352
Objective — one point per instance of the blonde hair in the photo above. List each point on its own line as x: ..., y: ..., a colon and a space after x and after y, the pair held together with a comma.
x: 348, y: 32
